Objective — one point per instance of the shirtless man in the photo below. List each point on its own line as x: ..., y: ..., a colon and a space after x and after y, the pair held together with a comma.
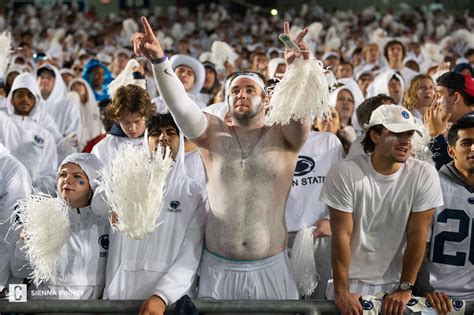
x: 250, y: 168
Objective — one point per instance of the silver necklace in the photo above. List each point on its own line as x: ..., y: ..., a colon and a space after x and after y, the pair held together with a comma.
x: 243, y: 158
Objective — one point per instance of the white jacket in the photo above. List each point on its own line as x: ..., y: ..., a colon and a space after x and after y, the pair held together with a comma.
x: 61, y: 108
x: 34, y: 147
x: 80, y: 268
x: 38, y: 114
x: 15, y: 184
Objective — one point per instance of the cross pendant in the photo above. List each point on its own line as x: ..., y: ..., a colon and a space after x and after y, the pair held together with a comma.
x: 243, y: 162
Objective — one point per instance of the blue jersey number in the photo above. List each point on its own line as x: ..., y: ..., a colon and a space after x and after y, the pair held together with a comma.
x: 459, y: 259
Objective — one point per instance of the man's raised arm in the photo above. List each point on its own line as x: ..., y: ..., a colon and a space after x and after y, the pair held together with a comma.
x: 296, y: 132
x: 187, y: 114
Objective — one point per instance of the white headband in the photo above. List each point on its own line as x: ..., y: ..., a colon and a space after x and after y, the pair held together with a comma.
x: 254, y: 77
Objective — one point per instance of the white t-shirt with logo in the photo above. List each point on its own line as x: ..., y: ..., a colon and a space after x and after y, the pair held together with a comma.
x: 303, y: 208
x: 381, y: 206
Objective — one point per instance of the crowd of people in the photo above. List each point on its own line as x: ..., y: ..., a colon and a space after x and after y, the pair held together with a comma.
x: 383, y: 182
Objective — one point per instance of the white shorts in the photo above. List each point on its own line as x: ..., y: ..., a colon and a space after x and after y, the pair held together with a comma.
x: 267, y: 279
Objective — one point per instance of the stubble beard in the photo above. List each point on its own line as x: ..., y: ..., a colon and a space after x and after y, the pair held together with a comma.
x: 255, y: 109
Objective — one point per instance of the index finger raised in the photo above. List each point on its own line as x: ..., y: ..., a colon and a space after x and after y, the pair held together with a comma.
x: 146, y: 26
x: 286, y: 28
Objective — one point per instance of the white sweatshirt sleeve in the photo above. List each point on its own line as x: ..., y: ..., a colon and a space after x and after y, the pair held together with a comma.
x: 187, y: 114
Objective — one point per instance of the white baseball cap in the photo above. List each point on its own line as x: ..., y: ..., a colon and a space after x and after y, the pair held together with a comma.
x: 395, y: 118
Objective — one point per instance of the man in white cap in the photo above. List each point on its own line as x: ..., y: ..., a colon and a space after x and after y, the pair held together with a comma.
x: 249, y: 167
x: 381, y: 205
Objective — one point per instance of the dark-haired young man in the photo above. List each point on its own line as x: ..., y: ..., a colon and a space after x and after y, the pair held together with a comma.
x: 451, y: 259
x: 381, y: 207
x: 454, y: 99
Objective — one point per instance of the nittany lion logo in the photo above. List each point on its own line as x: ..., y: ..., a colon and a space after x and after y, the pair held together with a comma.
x: 175, y: 204
x: 367, y: 305
x: 104, y: 241
x: 405, y: 114
x: 38, y: 140
x: 458, y: 304
x: 304, y: 165
x: 412, y: 302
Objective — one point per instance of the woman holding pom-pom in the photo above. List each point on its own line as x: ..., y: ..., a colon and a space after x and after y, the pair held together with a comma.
x: 64, y: 244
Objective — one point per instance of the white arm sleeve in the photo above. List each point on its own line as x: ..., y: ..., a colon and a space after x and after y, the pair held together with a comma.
x: 187, y: 114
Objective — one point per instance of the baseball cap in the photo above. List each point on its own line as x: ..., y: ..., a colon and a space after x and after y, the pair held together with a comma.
x: 395, y: 118
x: 458, y: 82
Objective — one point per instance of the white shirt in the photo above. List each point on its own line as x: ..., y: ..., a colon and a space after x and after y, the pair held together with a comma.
x: 303, y: 208
x: 380, y: 205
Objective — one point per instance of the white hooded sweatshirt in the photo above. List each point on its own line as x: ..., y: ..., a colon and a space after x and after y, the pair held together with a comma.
x: 38, y: 115
x: 380, y: 84
x: 80, y: 268
x: 15, y: 184
x: 165, y: 262
x: 60, y: 106
x: 89, y: 114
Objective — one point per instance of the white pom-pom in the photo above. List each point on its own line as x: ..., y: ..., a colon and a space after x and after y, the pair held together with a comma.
x: 302, y: 93
x: 302, y: 260
x: 420, y: 146
x: 5, y: 50
x: 222, y: 52
x: 46, y: 223
x: 133, y: 185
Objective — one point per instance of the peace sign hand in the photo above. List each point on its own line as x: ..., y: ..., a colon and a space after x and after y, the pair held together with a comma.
x: 146, y: 44
x: 290, y: 56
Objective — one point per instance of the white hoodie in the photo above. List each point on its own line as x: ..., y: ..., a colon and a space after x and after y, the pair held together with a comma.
x: 15, y: 184
x: 60, y: 106
x: 80, y: 268
x: 38, y: 114
x: 165, y: 262
x: 89, y: 114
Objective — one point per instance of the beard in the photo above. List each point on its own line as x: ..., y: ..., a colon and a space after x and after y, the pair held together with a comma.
x: 256, y: 107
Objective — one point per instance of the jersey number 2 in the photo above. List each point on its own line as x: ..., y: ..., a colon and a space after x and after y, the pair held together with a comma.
x: 438, y: 249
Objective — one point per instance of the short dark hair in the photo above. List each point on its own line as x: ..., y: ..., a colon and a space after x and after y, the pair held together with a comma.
x: 465, y: 122
x: 159, y: 121
x: 367, y: 142
x: 365, y: 109
x: 393, y: 43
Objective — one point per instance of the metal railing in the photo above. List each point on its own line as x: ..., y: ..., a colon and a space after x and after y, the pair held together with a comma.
x: 307, y: 307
